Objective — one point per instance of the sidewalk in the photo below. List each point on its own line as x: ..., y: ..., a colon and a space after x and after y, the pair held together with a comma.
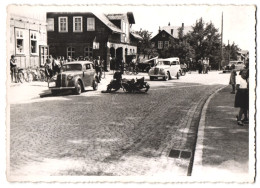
x: 20, y: 92
x: 222, y: 150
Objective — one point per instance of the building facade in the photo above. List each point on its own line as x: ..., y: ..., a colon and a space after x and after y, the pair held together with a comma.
x: 167, y: 36
x: 28, y: 40
x: 89, y: 35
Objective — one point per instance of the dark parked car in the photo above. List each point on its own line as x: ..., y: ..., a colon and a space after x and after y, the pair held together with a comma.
x: 239, y: 65
x: 146, y: 65
x: 75, y: 76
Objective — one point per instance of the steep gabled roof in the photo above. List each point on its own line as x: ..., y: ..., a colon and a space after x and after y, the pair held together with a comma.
x: 136, y: 36
x: 162, y: 31
x: 107, y: 22
x: 168, y: 29
x: 119, y: 16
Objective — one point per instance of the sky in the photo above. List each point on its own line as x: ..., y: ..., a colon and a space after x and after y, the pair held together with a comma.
x: 238, y: 21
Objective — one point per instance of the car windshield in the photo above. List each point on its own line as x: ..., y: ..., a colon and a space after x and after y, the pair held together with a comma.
x: 72, y: 67
x: 165, y: 63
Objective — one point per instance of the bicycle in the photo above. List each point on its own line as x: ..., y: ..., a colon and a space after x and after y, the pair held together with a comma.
x: 131, y: 70
x: 20, y: 75
x: 28, y: 75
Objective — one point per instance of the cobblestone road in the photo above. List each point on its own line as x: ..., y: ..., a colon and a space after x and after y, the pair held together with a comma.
x: 115, y: 134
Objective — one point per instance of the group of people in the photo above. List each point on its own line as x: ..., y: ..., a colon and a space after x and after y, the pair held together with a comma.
x: 203, y: 65
x: 241, y: 91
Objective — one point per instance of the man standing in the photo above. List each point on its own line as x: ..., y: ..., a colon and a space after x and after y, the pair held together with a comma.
x: 14, y: 70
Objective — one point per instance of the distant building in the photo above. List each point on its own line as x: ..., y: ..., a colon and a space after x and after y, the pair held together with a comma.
x: 28, y: 40
x: 86, y: 34
x: 167, y: 36
x: 173, y: 30
x: 243, y: 55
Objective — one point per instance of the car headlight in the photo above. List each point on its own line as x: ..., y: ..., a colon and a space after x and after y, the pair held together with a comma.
x: 162, y: 71
x: 69, y: 77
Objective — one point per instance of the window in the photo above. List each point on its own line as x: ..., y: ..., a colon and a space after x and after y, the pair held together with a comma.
x: 77, y: 24
x: 166, y: 44
x: 50, y: 24
x: 19, y: 41
x: 88, y: 52
x: 133, y: 51
x: 91, y: 24
x: 160, y: 44
x: 152, y: 44
x: 88, y: 66
x: 163, y: 35
x: 71, y: 52
x: 63, y: 24
x: 33, y: 39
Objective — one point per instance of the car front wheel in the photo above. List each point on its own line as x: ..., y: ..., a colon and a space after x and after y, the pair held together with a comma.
x: 95, y: 84
x: 178, y: 75
x: 165, y: 78
x: 78, y: 88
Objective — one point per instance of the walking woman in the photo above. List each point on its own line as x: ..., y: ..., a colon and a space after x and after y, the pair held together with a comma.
x: 232, y: 80
x: 242, y: 97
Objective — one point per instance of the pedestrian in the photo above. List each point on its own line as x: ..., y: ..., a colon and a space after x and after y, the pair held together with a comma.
x: 14, y: 69
x: 122, y: 65
x: 242, y: 97
x: 49, y: 67
x: 97, y: 63
x: 69, y: 59
x: 204, y: 64
x: 232, y: 80
x: 200, y: 66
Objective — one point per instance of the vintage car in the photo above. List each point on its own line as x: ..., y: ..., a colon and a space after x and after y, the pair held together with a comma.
x: 75, y: 76
x: 166, y: 69
x: 239, y: 65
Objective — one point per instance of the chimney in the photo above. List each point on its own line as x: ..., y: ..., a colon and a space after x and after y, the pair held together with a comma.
x: 182, y: 25
x: 159, y: 29
x: 169, y: 24
x: 172, y: 32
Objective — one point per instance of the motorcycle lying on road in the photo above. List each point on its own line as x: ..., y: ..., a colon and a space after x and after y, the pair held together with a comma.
x: 130, y: 86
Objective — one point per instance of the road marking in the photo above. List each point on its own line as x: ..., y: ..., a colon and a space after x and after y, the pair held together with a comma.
x: 198, y: 152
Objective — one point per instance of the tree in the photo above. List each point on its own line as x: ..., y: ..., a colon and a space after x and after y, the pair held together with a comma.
x: 230, y: 52
x: 205, y: 40
x: 145, y: 45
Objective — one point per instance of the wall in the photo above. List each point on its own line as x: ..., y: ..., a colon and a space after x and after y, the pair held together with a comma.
x: 26, y: 24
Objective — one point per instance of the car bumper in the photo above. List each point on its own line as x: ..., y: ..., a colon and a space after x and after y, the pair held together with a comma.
x: 61, y: 88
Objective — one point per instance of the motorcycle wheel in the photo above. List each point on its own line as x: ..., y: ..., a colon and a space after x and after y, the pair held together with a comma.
x: 147, y: 86
x: 183, y: 72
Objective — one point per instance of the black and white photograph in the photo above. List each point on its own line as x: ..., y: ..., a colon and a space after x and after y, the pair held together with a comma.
x: 130, y: 93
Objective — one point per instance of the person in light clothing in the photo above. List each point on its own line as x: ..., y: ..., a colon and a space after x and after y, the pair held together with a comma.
x: 242, y: 97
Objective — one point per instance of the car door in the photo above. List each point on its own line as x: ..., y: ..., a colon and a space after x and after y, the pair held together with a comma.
x: 87, y: 75
x: 174, y: 68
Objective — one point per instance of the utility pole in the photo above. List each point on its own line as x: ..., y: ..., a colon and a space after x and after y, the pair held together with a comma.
x: 221, y: 50
x: 228, y: 52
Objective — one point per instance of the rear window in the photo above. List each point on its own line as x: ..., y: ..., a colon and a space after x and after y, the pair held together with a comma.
x: 72, y: 67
